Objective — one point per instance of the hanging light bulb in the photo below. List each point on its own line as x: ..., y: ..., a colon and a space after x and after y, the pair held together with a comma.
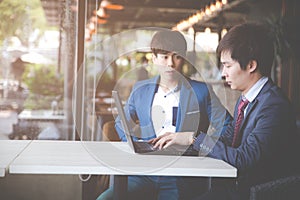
x: 212, y: 7
x: 200, y: 15
x: 223, y: 32
x: 207, y: 30
x: 224, y: 2
x: 207, y: 10
x: 205, y: 13
x: 101, y: 12
x: 218, y: 5
x: 108, y: 5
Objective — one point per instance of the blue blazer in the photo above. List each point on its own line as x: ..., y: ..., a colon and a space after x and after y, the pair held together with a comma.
x: 199, y: 109
x: 268, y: 131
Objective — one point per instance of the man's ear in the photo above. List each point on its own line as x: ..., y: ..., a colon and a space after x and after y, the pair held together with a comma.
x: 252, y: 65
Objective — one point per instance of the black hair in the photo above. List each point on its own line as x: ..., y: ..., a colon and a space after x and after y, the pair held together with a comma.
x: 247, y: 42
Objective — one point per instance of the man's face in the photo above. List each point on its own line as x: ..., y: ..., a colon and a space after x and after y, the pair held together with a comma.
x: 169, y: 64
x: 235, y: 77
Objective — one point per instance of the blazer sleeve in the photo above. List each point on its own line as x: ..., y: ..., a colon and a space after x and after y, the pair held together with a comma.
x: 267, y: 131
x: 219, y: 117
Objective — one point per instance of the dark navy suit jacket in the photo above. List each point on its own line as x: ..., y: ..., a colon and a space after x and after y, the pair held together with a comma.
x: 199, y: 109
x: 268, y: 146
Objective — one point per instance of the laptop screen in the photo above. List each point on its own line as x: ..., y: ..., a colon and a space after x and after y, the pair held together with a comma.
x: 122, y: 116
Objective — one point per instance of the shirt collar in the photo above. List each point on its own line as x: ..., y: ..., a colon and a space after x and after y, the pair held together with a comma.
x: 255, y: 89
x: 176, y: 89
x: 171, y: 91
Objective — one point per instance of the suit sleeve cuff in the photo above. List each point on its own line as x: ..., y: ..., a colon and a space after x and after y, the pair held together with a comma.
x: 198, y: 141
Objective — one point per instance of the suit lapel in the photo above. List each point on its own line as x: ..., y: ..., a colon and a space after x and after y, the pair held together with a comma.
x: 150, y: 92
x: 253, y: 104
x: 184, y: 102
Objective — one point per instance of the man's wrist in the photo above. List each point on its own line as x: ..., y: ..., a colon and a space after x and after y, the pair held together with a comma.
x: 193, y: 138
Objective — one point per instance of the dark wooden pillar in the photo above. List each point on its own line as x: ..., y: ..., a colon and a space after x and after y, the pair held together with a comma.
x: 290, y: 69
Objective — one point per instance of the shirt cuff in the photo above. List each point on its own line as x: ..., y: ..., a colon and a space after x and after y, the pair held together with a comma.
x: 199, y: 139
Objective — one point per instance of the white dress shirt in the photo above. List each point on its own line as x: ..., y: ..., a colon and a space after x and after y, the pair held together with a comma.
x: 164, y: 110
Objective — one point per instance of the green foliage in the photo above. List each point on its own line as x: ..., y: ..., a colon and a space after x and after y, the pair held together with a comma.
x: 20, y: 18
x: 44, y: 80
x: 44, y: 86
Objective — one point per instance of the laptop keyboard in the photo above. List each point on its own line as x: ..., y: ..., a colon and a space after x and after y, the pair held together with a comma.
x: 144, y: 146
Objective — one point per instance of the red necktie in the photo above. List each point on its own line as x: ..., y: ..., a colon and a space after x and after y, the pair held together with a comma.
x: 239, y: 119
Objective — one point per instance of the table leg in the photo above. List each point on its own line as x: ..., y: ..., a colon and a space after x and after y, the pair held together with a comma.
x: 209, y: 184
x: 120, y: 187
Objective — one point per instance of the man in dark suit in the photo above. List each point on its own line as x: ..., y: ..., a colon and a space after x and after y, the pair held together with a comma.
x: 260, y: 142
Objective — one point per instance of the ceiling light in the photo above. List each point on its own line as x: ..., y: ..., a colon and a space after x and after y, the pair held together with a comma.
x: 223, y: 32
x: 207, y: 30
x: 224, y: 2
x: 111, y: 6
x: 101, y: 12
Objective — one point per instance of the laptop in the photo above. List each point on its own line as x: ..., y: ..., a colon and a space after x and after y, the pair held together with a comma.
x: 143, y: 147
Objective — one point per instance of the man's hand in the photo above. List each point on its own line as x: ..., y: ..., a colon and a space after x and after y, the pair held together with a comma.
x: 167, y: 139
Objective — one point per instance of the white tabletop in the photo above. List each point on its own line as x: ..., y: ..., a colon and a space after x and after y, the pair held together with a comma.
x: 116, y: 158
x: 9, y: 150
x: 40, y: 115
